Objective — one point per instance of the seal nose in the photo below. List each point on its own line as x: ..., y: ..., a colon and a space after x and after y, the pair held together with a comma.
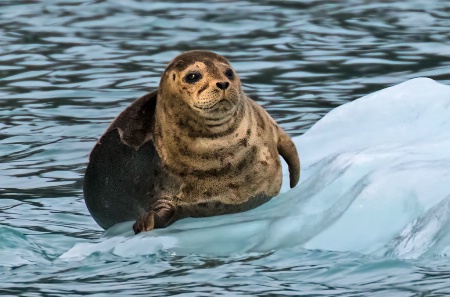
x: 223, y: 85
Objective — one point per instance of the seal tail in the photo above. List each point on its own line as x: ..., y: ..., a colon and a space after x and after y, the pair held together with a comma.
x: 286, y: 148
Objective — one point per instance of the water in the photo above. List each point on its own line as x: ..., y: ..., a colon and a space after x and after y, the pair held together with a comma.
x: 67, y: 68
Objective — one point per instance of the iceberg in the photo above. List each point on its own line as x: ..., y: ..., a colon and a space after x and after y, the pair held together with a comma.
x: 374, y: 180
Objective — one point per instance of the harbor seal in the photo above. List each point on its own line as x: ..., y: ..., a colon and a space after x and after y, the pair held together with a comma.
x: 195, y: 147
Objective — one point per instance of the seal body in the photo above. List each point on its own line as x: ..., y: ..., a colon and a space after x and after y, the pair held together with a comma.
x: 196, y: 147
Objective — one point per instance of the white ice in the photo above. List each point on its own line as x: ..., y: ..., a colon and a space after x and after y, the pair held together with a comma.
x: 375, y: 179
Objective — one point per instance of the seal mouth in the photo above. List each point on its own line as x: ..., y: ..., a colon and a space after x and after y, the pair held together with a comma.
x: 222, y: 105
x: 217, y: 114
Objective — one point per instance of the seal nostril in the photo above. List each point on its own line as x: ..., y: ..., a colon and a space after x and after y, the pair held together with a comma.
x: 223, y: 85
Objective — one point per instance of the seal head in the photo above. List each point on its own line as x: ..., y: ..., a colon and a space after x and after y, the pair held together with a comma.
x: 204, y: 88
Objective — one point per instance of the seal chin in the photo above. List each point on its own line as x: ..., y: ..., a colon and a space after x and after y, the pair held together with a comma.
x: 217, y: 114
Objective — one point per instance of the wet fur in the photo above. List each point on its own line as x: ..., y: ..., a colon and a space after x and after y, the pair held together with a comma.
x: 217, y: 152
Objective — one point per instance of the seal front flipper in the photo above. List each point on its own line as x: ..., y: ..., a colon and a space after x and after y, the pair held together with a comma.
x: 161, y: 215
x: 286, y: 148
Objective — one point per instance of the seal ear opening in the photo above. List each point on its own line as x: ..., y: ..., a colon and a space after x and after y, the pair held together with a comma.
x: 174, y: 76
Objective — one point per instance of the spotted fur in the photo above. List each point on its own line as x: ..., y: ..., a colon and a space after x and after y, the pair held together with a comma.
x: 217, y: 151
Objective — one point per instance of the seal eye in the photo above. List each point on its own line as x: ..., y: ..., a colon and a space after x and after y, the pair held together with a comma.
x: 229, y: 73
x: 192, y: 77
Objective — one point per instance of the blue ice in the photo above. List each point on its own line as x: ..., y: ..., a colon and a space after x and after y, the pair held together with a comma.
x: 375, y: 179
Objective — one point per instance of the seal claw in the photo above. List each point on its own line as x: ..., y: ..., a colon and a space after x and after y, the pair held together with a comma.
x: 164, y: 211
x: 145, y: 222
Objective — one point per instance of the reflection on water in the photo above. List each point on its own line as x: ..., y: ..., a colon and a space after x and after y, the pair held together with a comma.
x: 67, y: 68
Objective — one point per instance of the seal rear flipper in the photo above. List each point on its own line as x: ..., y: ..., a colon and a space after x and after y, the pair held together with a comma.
x: 136, y: 122
x: 120, y: 177
x: 286, y: 148
x: 120, y: 182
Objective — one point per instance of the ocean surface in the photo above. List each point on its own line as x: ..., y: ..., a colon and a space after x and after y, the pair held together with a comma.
x: 371, y: 216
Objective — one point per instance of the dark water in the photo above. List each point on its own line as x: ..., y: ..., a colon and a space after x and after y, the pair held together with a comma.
x: 67, y: 68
